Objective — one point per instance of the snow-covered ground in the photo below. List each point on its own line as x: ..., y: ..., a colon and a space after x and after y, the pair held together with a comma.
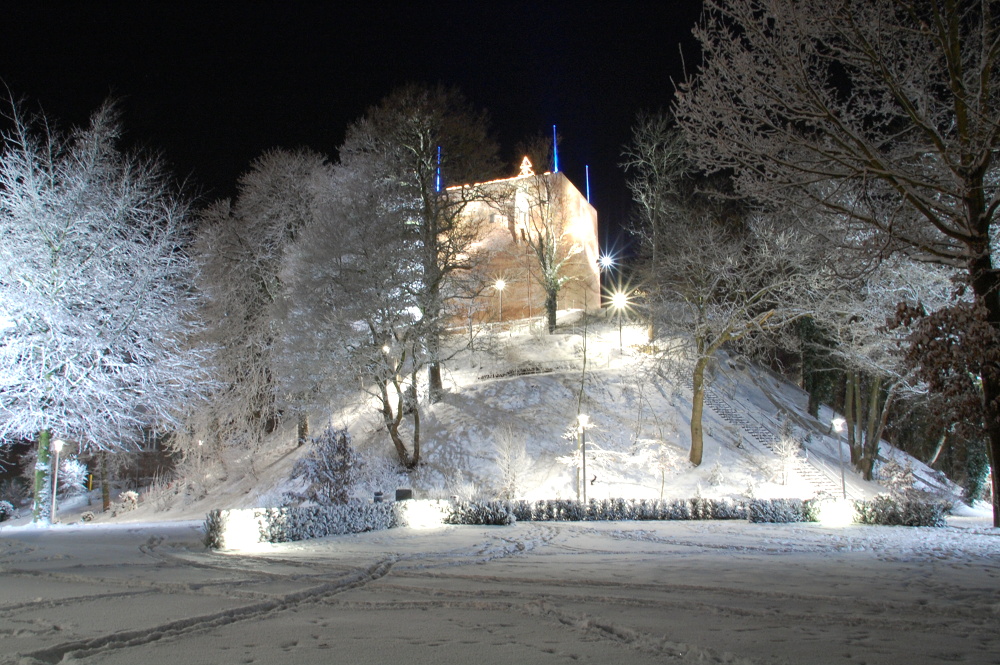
x: 677, y: 592
x: 140, y: 587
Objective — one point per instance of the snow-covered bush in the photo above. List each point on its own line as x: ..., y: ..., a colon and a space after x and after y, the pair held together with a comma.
x: 776, y: 510
x: 72, y: 477
x: 463, y: 490
x: 787, y: 449
x: 889, y: 511
x: 560, y: 510
x: 716, y: 476
x: 897, y: 478
x: 7, y: 511
x: 87, y: 516
x: 127, y: 502
x: 510, y: 454
x: 292, y: 523
x: 13, y: 490
x: 376, y: 473
x: 492, y: 513
x: 329, y: 468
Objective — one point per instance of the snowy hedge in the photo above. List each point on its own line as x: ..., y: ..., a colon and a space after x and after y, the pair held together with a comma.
x: 887, y: 511
x: 568, y: 510
x: 780, y: 511
x: 227, y: 529
x: 239, y: 528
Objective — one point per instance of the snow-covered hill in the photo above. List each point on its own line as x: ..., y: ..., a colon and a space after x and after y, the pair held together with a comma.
x: 520, y: 386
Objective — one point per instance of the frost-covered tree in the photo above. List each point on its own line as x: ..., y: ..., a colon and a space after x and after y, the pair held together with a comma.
x: 727, y: 276
x: 424, y: 139
x: 883, y: 114
x: 94, y: 285
x: 330, y: 468
x: 540, y: 216
x: 241, y: 249
x: 355, y: 288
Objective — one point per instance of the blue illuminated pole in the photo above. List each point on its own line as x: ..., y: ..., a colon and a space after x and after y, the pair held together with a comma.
x: 587, y: 169
x: 555, y: 150
x: 437, y: 184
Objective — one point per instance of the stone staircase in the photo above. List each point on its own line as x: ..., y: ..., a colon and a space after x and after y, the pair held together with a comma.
x: 764, y: 437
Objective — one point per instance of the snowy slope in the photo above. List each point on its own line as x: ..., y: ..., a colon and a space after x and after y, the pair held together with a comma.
x: 521, y: 385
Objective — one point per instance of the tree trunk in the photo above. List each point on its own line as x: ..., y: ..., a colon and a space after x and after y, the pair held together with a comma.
x: 697, y: 409
x: 42, y: 498
x: 435, y: 388
x: 551, y: 300
x: 105, y: 487
x: 869, y: 448
x: 986, y: 286
x: 302, y: 428
x: 849, y: 410
x: 415, y: 459
x: 857, y: 450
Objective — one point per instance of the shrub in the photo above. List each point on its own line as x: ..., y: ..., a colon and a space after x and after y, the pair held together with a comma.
x: 292, y: 523
x: 72, y: 477
x: 565, y: 510
x: 7, y: 511
x: 329, y: 468
x: 127, y: 502
x: 887, y: 511
x: 776, y: 510
x: 493, y: 513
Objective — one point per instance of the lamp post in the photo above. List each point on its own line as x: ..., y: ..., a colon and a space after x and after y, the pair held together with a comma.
x: 583, y: 420
x: 619, y: 299
x: 58, y: 445
x: 838, y: 426
x: 500, y: 285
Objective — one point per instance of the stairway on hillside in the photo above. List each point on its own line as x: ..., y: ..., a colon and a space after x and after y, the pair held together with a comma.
x: 766, y: 438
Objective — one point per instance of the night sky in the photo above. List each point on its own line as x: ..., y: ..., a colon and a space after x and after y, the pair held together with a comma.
x: 212, y: 85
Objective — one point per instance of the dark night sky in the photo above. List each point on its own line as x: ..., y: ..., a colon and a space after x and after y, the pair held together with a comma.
x: 212, y: 85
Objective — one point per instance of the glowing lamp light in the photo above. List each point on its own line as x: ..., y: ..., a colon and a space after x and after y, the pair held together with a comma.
x: 500, y: 285
x: 583, y: 420
x: 836, y: 513
x: 422, y: 514
x: 606, y: 261
x: 838, y: 426
x: 386, y: 349
x: 619, y: 300
x: 241, y: 529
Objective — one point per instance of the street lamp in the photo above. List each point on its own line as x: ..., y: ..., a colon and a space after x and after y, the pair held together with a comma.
x: 500, y: 285
x: 619, y: 300
x: 58, y: 445
x: 583, y: 420
x: 838, y: 426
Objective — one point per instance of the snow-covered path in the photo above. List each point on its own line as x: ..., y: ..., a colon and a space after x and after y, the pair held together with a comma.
x: 680, y: 592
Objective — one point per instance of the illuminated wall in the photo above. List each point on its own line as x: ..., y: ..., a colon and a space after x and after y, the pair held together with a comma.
x: 514, y: 208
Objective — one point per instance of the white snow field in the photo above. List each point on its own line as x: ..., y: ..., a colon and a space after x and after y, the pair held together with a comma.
x: 140, y: 588
x: 652, y: 592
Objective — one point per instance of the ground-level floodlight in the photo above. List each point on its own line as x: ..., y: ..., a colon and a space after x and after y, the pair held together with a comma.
x: 838, y: 426
x: 582, y: 420
x: 58, y: 445
x: 500, y: 285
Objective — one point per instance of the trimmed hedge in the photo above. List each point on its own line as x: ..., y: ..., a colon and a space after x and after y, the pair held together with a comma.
x: 885, y: 511
x: 567, y: 510
x: 279, y: 525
